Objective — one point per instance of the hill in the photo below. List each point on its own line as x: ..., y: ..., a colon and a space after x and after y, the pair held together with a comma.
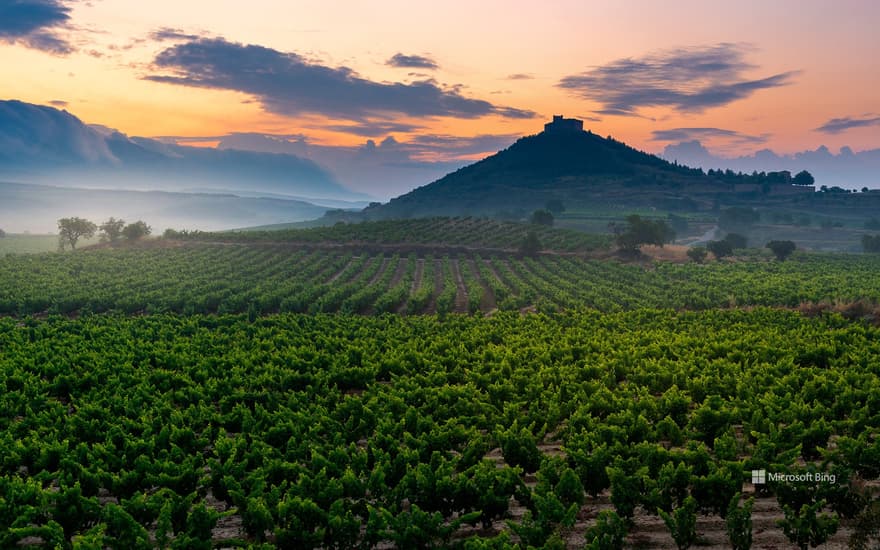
x: 579, y: 168
x: 40, y: 144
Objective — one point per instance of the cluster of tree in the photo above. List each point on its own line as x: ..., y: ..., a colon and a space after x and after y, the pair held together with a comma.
x: 71, y: 230
x: 641, y: 231
x: 733, y: 241
x: 782, y: 177
x: 719, y: 249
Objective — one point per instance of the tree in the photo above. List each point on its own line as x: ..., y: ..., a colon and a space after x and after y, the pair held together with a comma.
x: 641, y: 231
x: 542, y: 217
x: 70, y: 230
x: 720, y: 249
x: 111, y: 229
x: 136, y: 230
x: 803, y: 178
x: 697, y: 254
x: 555, y: 206
x: 782, y: 249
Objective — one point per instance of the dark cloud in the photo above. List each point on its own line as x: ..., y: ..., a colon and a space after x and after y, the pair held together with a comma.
x: 685, y: 79
x: 412, y: 61
x: 58, y: 103
x: 688, y: 134
x: 520, y: 76
x: 168, y: 34
x: 838, y: 125
x: 288, y: 84
x: 34, y: 23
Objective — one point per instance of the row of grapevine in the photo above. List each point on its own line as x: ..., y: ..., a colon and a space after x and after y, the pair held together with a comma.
x: 268, y: 279
x: 468, y: 232
x: 116, y: 429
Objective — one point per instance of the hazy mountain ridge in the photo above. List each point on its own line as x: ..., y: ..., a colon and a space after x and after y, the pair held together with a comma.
x: 45, y: 145
x: 847, y: 169
x: 36, y: 208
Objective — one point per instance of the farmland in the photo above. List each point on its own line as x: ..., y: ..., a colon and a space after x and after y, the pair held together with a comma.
x: 217, y: 390
x: 340, y: 430
x: 272, y: 278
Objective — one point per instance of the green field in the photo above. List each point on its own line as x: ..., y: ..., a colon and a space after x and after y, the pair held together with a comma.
x: 17, y: 243
x: 216, y: 278
x: 318, y: 431
x: 321, y: 393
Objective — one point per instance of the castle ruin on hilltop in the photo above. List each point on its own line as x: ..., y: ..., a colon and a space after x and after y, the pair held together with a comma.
x: 562, y: 125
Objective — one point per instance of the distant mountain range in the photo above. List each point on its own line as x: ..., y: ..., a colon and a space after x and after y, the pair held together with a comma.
x: 36, y: 208
x: 847, y: 169
x: 40, y: 144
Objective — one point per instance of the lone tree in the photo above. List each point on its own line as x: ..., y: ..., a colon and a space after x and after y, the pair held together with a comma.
x: 111, y: 230
x: 70, y: 230
x: 697, y: 254
x: 136, y: 230
x: 641, y: 231
x: 782, y: 249
x: 542, y: 217
x: 720, y: 249
x: 803, y: 178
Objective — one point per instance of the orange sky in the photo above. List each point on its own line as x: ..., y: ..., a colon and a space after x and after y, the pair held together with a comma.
x: 827, y: 48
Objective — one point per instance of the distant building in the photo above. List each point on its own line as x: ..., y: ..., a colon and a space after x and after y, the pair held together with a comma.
x: 561, y: 124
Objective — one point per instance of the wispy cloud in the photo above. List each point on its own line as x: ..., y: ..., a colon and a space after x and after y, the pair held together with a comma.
x: 838, y: 125
x: 163, y: 34
x: 412, y: 61
x: 35, y: 24
x: 685, y: 79
x: 685, y: 134
x: 520, y: 76
x: 373, y: 128
x: 288, y: 84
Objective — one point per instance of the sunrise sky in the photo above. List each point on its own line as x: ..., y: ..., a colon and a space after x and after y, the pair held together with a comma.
x: 738, y: 76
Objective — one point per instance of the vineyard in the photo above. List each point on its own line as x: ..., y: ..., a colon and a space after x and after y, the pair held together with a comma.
x: 272, y: 278
x: 423, y: 232
x: 348, y: 431
x: 188, y: 394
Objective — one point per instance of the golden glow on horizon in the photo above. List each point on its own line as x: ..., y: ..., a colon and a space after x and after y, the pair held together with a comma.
x: 476, y: 46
